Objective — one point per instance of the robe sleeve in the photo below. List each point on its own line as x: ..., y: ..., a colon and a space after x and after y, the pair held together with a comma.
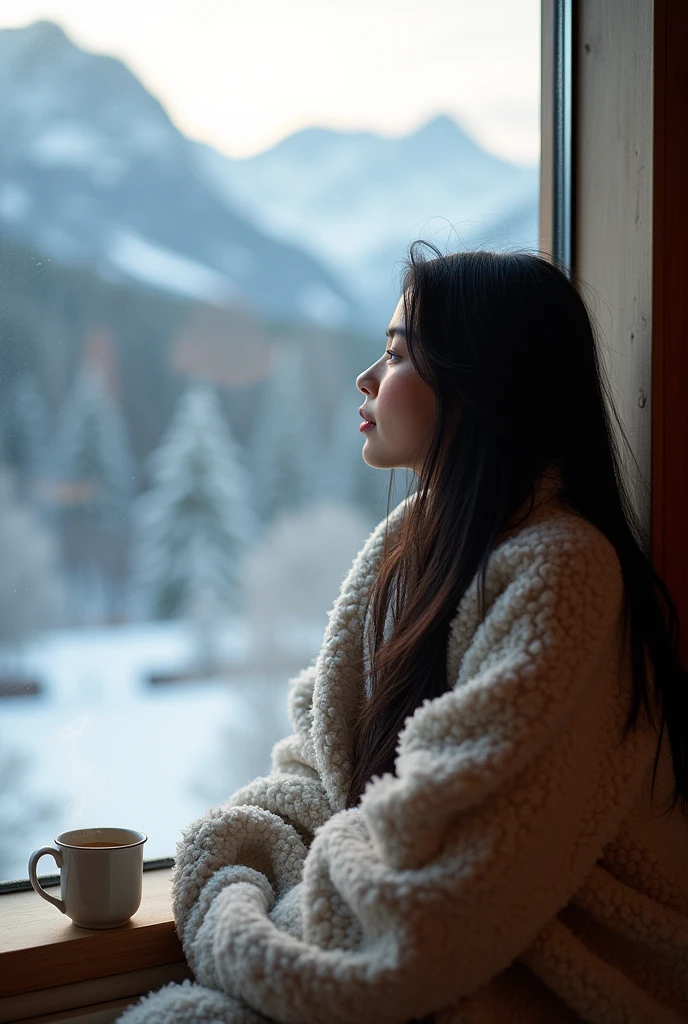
x: 506, y: 789
x: 260, y: 834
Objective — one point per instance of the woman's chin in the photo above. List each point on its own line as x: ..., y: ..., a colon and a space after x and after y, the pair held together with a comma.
x: 371, y: 460
x: 377, y: 461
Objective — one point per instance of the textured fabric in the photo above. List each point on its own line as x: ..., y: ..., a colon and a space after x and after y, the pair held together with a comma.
x: 511, y: 870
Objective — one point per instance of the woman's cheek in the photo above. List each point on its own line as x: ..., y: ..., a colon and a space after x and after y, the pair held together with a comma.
x: 392, y: 399
x: 400, y: 416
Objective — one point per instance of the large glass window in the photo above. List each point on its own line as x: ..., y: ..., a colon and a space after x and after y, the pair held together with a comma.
x: 202, y: 214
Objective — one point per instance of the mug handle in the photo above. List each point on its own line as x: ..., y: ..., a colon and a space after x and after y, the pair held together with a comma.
x: 33, y: 862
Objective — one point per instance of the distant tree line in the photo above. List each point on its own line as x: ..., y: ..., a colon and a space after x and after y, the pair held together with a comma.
x: 154, y: 485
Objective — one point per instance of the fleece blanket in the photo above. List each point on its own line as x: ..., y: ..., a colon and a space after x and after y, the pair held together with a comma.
x: 511, y: 869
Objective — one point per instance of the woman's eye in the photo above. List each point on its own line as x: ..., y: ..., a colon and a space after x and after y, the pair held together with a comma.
x: 390, y: 353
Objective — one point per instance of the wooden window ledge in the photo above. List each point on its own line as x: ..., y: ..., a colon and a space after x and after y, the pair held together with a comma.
x: 51, y: 970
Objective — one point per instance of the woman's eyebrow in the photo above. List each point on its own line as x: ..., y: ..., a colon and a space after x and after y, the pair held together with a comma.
x: 395, y: 330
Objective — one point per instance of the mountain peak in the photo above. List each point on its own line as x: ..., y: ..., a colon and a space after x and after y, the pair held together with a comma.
x: 440, y: 123
x: 441, y: 130
x: 442, y: 134
x: 45, y: 35
x: 31, y: 46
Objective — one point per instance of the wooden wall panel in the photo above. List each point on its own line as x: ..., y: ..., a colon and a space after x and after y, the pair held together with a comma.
x: 613, y: 211
x: 631, y: 254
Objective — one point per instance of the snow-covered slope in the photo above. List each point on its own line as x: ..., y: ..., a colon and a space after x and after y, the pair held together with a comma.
x: 93, y: 171
x: 357, y: 199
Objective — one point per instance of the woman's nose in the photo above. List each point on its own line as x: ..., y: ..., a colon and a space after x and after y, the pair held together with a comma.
x: 365, y: 382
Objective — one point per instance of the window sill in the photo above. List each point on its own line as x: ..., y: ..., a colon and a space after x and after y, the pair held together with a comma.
x: 47, y: 964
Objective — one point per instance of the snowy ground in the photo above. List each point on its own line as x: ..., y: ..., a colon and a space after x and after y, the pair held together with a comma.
x: 104, y: 747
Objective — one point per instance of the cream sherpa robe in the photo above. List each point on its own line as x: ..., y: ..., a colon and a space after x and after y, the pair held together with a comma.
x: 512, y: 870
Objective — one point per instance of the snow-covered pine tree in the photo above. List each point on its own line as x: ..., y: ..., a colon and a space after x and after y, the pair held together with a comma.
x: 94, y: 454
x: 32, y: 597
x: 94, y: 488
x: 25, y: 431
x: 294, y: 575
x: 195, y: 521
x: 286, y: 447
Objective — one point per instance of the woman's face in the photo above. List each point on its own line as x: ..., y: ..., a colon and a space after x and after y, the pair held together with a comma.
x: 399, y: 402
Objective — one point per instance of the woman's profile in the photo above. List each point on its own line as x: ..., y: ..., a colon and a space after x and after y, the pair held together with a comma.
x: 482, y: 812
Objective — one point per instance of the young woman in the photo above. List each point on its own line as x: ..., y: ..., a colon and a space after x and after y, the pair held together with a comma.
x: 481, y: 815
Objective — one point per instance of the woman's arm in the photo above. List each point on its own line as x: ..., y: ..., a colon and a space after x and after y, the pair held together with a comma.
x: 506, y: 789
x: 260, y: 834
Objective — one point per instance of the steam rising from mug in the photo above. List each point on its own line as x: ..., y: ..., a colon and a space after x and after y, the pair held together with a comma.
x: 78, y: 772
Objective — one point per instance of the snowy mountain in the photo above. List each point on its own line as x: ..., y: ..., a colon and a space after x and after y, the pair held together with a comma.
x: 93, y: 172
x: 356, y: 199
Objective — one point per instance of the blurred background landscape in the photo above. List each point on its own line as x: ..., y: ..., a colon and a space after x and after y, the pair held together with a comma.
x: 181, y: 482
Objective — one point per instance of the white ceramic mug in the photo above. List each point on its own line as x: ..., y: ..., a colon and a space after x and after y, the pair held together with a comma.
x: 101, y: 875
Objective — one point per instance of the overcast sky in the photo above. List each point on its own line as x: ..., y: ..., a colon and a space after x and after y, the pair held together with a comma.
x: 242, y: 74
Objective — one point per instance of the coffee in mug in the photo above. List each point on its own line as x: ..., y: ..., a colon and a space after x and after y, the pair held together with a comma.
x: 91, y: 846
x: 101, y: 875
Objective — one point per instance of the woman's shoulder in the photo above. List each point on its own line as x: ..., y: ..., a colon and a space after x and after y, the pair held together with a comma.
x: 548, y: 536
x: 554, y: 531
x: 559, y: 559
x: 553, y: 595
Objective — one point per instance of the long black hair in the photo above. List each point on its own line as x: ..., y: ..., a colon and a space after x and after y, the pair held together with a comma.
x: 505, y: 340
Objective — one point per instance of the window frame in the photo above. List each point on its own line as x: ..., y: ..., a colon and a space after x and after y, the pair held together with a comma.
x: 625, y: 66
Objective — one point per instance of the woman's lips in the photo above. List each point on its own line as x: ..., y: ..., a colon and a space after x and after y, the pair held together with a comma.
x: 366, y: 425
